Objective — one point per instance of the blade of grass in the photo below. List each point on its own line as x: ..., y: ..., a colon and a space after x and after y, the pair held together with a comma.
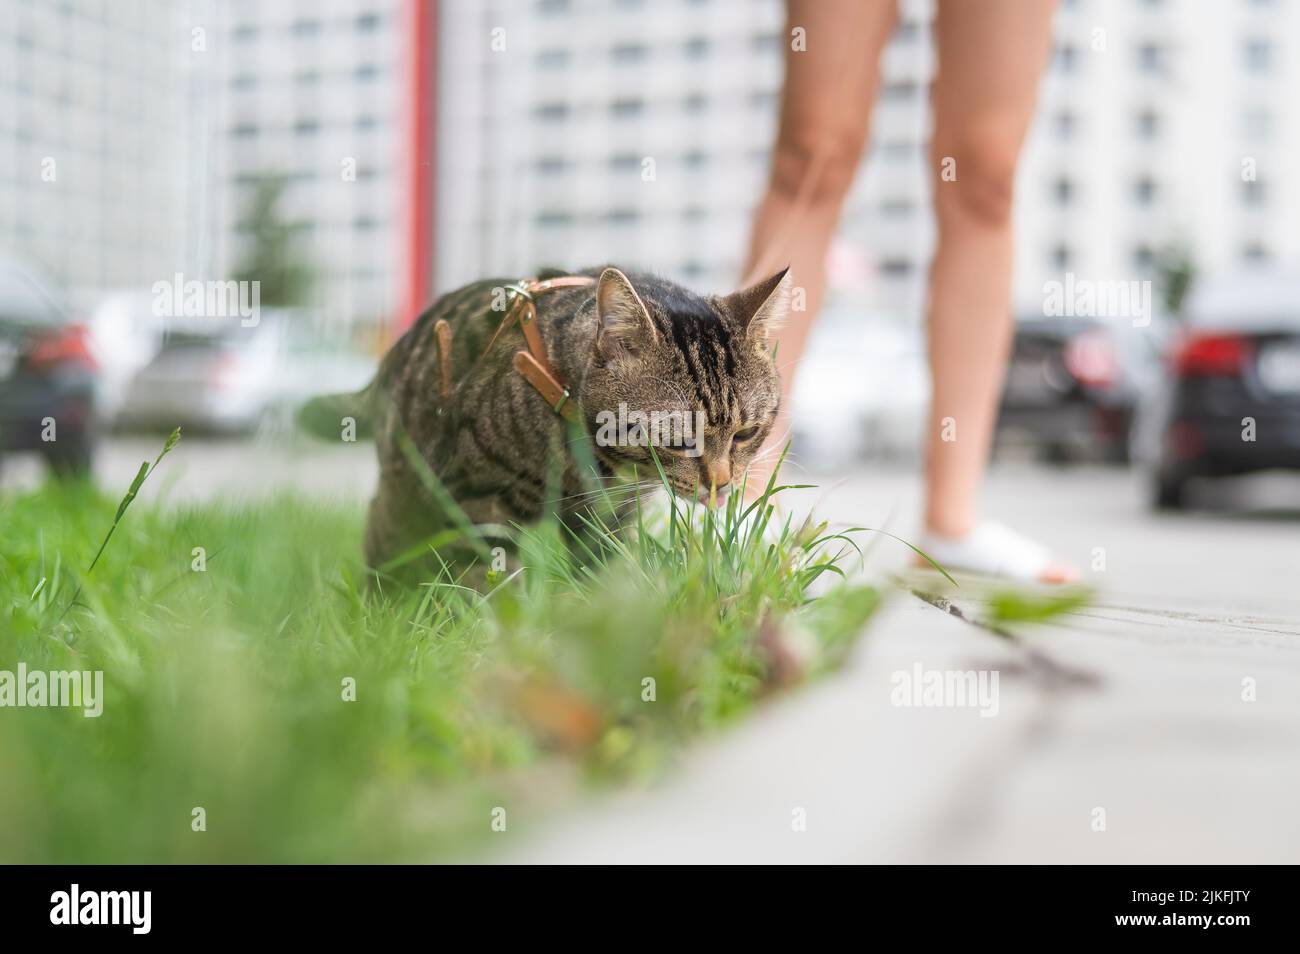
x: 141, y: 476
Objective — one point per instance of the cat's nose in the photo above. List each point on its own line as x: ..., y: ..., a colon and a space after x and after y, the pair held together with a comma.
x: 718, y: 473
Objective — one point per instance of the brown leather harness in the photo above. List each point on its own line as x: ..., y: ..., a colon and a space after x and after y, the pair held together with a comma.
x: 533, y: 363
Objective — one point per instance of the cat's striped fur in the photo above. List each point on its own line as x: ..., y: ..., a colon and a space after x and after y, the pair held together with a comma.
x: 506, y: 456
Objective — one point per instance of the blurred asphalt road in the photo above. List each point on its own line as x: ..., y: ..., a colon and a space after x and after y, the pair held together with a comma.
x: 1130, y: 710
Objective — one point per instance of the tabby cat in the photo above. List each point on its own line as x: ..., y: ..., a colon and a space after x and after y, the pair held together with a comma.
x: 623, y: 342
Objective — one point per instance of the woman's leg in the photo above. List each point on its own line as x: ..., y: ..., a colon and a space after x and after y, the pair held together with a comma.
x: 825, y: 110
x: 990, y: 55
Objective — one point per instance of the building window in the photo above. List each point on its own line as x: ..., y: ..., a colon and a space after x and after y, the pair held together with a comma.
x: 1065, y: 58
x: 628, y: 53
x: 306, y: 127
x: 696, y: 48
x: 1148, y: 124
x: 1254, y: 253
x: 1144, y: 190
x: 553, y: 218
x: 1253, y: 193
x: 896, y: 267
x: 305, y: 27
x: 1065, y: 123
x: 623, y: 217
x: 244, y: 131
x: 695, y: 103
x: 551, y: 112
x: 627, y: 107
x: 1143, y: 258
x: 624, y: 162
x: 1063, y: 191
x: 1150, y: 58
x: 897, y: 208
x: 1062, y: 257
x: 899, y: 92
x: 552, y: 165
x: 695, y: 159
x: 553, y: 59
x: 366, y: 72
x: 1257, y: 55
x: 245, y: 33
x: 368, y: 22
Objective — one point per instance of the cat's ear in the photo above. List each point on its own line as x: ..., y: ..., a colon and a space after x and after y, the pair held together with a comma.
x: 625, y: 325
x: 762, y: 308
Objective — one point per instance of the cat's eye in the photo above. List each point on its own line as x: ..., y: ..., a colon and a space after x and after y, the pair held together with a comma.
x: 745, y: 434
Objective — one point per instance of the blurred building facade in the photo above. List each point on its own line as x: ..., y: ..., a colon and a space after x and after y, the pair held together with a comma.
x: 311, y: 93
x: 573, y: 133
x: 1162, y: 124
x: 579, y: 131
x: 570, y: 132
x: 94, y: 153
x: 133, y: 136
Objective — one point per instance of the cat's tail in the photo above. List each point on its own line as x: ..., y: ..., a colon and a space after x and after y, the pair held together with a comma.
x: 334, y: 416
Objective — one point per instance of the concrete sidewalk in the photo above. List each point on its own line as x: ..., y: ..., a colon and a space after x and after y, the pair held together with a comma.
x: 1123, y: 731
x: 1163, y: 745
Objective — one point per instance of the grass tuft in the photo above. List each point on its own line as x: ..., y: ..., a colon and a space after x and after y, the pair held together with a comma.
x: 230, y: 637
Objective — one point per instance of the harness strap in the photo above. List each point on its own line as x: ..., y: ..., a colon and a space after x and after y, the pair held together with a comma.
x: 442, y: 334
x: 534, y: 363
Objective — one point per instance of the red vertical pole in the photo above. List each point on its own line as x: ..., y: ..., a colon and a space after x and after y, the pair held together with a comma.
x: 416, y: 194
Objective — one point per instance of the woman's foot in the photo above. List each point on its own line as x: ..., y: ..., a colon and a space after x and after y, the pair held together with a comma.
x: 995, y: 550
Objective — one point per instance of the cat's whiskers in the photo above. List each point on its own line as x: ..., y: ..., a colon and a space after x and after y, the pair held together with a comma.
x: 625, y: 490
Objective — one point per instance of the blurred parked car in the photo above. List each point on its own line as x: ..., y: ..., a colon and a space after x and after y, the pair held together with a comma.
x: 1230, y: 401
x: 217, y: 376
x: 1073, y: 385
x: 47, y: 376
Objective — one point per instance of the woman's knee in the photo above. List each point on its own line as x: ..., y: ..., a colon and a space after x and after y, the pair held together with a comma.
x: 816, y: 163
x: 975, y: 176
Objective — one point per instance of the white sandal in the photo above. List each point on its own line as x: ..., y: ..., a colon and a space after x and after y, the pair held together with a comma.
x: 995, y: 550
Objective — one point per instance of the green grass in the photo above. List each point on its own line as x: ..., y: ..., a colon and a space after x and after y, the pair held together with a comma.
x: 224, y: 687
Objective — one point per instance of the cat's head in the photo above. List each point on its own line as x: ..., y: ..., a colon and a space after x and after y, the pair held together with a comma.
x: 690, y: 374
